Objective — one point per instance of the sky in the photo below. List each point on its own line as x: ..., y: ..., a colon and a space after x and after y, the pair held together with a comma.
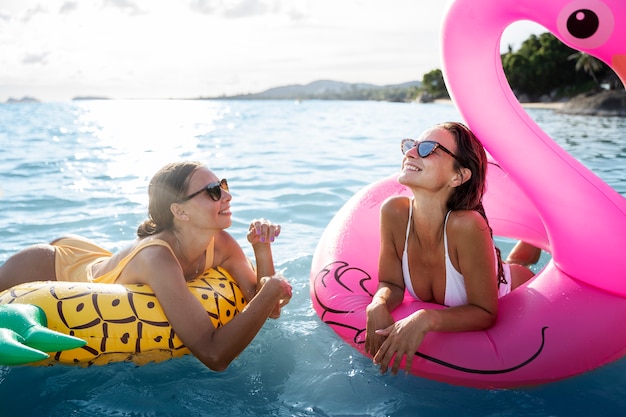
x: 54, y: 50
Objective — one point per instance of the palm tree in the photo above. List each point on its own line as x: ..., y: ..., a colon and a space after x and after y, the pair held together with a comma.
x: 587, y: 63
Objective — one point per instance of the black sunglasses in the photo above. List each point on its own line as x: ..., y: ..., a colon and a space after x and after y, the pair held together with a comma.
x: 424, y: 148
x: 214, y: 190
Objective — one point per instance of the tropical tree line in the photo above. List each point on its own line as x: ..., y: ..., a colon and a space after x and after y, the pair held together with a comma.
x: 391, y: 93
x: 543, y: 69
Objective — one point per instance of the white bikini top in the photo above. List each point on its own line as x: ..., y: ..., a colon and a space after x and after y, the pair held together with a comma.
x: 455, y: 293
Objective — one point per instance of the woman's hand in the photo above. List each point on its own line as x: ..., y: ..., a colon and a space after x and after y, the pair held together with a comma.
x: 403, y: 338
x: 262, y: 231
x: 285, y: 292
x: 378, y: 317
x: 261, y: 234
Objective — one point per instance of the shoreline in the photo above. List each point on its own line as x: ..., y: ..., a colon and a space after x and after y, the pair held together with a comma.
x: 534, y: 105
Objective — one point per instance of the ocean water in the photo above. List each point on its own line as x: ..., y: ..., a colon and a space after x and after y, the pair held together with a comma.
x: 83, y: 167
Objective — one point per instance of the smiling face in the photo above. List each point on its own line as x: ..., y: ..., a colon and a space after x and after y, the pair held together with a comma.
x: 462, y: 177
x: 434, y: 171
x: 204, y: 209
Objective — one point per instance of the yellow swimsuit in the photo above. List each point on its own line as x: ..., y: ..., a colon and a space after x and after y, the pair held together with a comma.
x: 118, y: 322
x: 75, y: 256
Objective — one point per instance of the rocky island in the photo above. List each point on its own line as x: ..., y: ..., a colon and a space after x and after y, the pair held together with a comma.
x: 606, y: 103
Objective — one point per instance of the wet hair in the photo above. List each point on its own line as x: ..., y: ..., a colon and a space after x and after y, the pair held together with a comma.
x: 469, y: 195
x: 169, y: 185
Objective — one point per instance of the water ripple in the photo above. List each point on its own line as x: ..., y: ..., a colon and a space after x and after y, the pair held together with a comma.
x: 83, y: 168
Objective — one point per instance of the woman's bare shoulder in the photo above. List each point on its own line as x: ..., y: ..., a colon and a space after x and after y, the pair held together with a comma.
x: 466, y: 222
x: 226, y: 248
x: 395, y: 204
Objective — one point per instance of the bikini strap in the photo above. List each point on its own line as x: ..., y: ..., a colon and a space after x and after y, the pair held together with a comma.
x: 408, y: 224
x: 209, y: 254
x: 445, y: 233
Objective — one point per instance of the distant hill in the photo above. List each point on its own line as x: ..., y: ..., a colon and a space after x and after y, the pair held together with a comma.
x: 78, y: 98
x: 334, y: 90
x: 25, y: 99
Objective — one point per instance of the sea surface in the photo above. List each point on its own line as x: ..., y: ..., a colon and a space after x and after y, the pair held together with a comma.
x: 83, y: 167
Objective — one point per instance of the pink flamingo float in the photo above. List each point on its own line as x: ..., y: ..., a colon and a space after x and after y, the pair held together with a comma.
x: 568, y: 319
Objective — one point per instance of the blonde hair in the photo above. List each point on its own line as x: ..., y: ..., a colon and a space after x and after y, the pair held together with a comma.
x: 169, y: 185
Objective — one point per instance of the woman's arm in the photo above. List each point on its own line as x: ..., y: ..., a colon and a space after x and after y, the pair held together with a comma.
x: 216, y: 348
x: 261, y: 235
x: 471, y: 250
x: 390, y: 291
x: 230, y: 256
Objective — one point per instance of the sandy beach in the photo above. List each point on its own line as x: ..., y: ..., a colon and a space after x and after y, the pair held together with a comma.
x: 538, y: 105
x: 553, y: 105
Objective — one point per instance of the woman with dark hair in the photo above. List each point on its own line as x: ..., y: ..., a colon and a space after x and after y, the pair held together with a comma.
x: 437, y: 245
x: 184, y: 235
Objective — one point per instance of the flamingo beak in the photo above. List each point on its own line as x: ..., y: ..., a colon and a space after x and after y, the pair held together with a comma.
x: 619, y: 66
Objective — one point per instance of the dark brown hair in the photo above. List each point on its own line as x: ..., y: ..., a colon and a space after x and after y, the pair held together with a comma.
x: 169, y: 185
x: 469, y: 195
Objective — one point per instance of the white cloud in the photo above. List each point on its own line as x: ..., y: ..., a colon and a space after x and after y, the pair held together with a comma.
x: 31, y: 13
x: 125, y: 6
x: 35, y: 58
x: 68, y: 7
x: 58, y: 49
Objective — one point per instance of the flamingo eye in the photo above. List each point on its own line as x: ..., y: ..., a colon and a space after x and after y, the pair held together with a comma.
x: 585, y: 24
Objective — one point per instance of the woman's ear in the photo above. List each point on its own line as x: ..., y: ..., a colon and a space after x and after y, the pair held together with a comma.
x: 461, y: 176
x: 178, y: 210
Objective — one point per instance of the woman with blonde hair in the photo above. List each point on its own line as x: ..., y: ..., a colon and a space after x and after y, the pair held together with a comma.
x: 184, y: 235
